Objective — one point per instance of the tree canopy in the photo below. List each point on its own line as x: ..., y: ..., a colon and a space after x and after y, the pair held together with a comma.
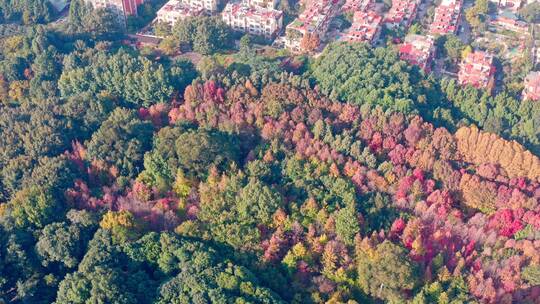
x: 133, y: 175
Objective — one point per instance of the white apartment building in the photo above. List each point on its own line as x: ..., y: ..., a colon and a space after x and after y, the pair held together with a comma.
x: 210, y: 6
x: 121, y: 7
x: 176, y: 10
x: 252, y: 19
x: 273, y: 4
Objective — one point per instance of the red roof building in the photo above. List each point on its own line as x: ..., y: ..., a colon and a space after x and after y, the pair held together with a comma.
x: 511, y: 22
x: 531, y: 90
x: 401, y: 14
x: 512, y: 5
x: 366, y: 27
x: 418, y: 50
x: 356, y: 5
x: 477, y: 69
x: 315, y: 19
x: 447, y: 16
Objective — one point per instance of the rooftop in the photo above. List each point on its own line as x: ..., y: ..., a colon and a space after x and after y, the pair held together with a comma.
x: 446, y: 18
x: 417, y: 49
x: 356, y: 5
x: 241, y: 10
x: 365, y: 27
x: 177, y: 7
x: 477, y: 70
x: 317, y: 13
x: 402, y: 10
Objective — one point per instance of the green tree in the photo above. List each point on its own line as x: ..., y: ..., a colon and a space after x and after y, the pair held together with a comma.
x: 203, y: 275
x: 258, y: 202
x: 26, y: 11
x: 531, y: 274
x: 245, y: 44
x: 444, y: 290
x: 205, y: 35
x: 136, y: 80
x: 34, y: 207
x: 106, y: 275
x: 59, y: 242
x: 103, y: 285
x: 530, y: 12
x: 65, y: 243
x: 477, y: 15
x: 347, y: 224
x: 92, y: 23
x: 453, y: 47
x: 359, y: 74
x: 121, y: 141
x: 386, y: 272
x: 199, y: 150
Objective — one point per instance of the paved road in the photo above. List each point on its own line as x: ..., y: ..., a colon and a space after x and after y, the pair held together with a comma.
x: 465, y: 29
x: 422, y: 11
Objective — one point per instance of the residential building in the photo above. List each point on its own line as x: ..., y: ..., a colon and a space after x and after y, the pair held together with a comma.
x: 366, y: 27
x: 531, y: 89
x: 447, y: 17
x: 511, y: 22
x: 123, y: 8
x: 401, y: 14
x: 176, y: 10
x: 210, y: 6
x: 272, y: 4
x: 357, y: 5
x: 535, y: 54
x: 477, y: 69
x: 252, y: 19
x: 306, y: 3
x: 512, y: 5
x: 418, y: 50
x: 314, y: 20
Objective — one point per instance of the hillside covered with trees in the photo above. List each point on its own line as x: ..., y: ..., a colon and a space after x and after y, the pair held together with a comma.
x: 128, y: 177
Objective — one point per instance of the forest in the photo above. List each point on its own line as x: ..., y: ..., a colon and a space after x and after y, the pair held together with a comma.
x: 130, y: 177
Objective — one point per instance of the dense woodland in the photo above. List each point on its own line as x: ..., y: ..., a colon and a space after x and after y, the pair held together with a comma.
x: 350, y: 178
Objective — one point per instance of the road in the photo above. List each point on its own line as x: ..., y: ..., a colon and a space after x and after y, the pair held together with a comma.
x: 465, y: 29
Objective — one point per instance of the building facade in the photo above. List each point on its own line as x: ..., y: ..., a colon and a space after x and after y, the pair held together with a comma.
x: 314, y: 20
x: 253, y: 19
x: 401, y: 14
x: 513, y: 5
x: 123, y: 8
x: 210, y: 6
x: 176, y: 10
x: 531, y: 90
x: 511, y: 22
x: 271, y: 4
